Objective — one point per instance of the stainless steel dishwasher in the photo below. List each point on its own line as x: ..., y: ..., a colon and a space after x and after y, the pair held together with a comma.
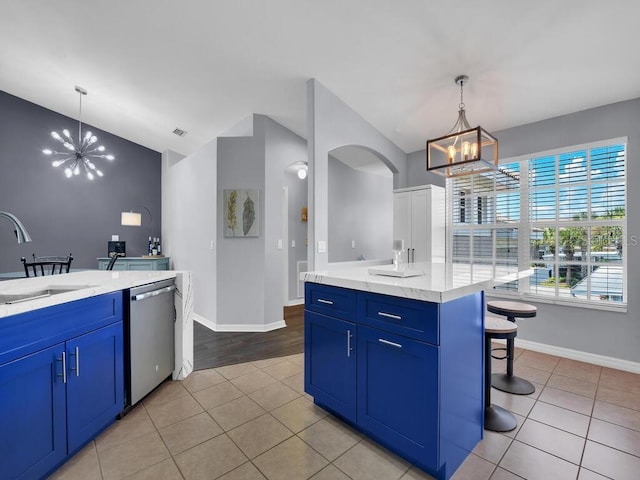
x: 149, y: 338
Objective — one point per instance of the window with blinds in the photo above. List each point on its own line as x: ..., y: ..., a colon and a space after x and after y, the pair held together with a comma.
x: 561, y: 213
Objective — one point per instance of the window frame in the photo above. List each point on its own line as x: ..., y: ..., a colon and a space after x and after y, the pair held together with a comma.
x: 525, y: 224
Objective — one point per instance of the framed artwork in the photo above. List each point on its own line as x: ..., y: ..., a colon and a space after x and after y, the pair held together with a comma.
x: 241, y: 213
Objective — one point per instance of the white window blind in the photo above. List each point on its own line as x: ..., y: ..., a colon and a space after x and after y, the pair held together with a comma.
x: 561, y: 213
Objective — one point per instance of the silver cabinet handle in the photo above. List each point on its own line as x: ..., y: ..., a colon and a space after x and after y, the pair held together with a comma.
x: 349, y: 343
x: 63, y: 359
x: 387, y: 342
x: 154, y: 293
x: 76, y: 353
x: 413, y: 255
x: 408, y: 257
x: 322, y: 300
x: 390, y: 315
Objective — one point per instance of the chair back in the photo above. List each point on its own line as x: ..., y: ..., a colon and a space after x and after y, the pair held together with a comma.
x: 41, y: 266
x: 112, y: 262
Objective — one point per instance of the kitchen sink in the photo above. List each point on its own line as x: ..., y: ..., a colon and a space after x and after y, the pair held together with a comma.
x: 9, y: 298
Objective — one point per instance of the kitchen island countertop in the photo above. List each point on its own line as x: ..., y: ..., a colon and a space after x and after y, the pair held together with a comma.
x: 432, y: 282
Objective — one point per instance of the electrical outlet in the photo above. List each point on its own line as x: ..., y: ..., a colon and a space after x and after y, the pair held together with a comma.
x: 353, y: 244
x: 293, y: 244
x: 322, y: 246
x: 279, y: 244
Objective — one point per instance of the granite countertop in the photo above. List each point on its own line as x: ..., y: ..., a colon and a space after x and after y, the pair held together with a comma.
x: 432, y: 282
x: 84, y: 284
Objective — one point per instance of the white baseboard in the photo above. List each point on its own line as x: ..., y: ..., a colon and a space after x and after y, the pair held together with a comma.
x: 594, y: 358
x: 230, y: 327
x: 290, y: 303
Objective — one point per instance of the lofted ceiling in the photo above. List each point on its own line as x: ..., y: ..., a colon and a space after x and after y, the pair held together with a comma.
x: 203, y: 65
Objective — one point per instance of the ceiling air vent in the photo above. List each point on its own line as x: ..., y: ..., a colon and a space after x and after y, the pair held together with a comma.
x: 179, y: 132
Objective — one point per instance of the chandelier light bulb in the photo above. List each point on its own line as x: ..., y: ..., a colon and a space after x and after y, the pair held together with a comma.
x: 466, y: 149
x: 79, y: 156
x: 451, y: 153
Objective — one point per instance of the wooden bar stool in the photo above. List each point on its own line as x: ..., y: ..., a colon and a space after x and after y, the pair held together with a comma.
x: 508, y: 382
x: 496, y: 418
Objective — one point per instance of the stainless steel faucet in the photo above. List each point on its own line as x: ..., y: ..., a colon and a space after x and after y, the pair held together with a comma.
x: 21, y: 232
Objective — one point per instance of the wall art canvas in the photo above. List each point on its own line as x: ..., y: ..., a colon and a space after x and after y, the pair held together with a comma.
x: 241, y: 214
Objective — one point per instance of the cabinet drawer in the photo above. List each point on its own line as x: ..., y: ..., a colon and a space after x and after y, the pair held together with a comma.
x: 411, y: 318
x: 333, y: 301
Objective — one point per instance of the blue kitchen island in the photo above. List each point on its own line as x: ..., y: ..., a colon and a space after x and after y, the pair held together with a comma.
x: 401, y: 358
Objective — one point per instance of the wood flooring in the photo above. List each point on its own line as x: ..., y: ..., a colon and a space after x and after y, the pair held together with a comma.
x: 216, y: 349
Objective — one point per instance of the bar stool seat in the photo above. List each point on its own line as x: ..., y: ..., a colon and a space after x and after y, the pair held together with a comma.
x: 508, y: 382
x: 496, y: 419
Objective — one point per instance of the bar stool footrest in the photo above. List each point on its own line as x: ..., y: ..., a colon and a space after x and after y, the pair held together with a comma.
x: 512, y: 384
x: 497, y: 419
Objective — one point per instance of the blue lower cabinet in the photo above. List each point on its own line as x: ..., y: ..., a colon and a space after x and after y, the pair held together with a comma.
x: 330, y: 363
x: 61, y: 382
x: 32, y: 414
x: 408, y: 373
x: 398, y: 393
x: 95, y: 386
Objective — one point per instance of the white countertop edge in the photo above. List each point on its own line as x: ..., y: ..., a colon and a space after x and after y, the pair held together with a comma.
x: 95, y: 282
x: 398, y: 287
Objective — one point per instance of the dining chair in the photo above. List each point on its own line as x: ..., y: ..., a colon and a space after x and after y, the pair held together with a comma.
x: 51, y: 265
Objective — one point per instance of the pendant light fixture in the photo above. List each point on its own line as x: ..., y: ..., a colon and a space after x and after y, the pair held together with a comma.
x: 464, y: 150
x: 80, y: 154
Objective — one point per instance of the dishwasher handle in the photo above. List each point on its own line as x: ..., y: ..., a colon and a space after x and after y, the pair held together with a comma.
x: 153, y: 293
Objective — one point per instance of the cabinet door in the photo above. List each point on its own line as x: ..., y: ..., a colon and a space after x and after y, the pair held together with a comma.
x: 420, y: 232
x: 398, y: 393
x: 95, y: 382
x: 330, y: 363
x: 402, y: 220
x: 32, y: 414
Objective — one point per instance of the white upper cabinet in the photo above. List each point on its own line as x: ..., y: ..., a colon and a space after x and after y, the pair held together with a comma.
x: 419, y: 219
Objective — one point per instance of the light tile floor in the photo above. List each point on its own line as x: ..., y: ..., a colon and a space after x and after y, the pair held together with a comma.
x: 254, y: 421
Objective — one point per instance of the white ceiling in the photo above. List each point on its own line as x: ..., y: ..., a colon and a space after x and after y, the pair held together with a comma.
x: 203, y: 65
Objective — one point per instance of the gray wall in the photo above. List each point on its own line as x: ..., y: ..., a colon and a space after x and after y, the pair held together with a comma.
x: 332, y: 124
x: 595, y: 331
x: 70, y: 215
x: 240, y: 261
x: 240, y: 284
x: 360, y: 209
x: 282, y: 148
x: 417, y: 171
x: 297, y: 229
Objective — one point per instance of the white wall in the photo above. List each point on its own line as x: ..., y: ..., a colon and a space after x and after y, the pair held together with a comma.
x: 360, y: 210
x: 332, y: 124
x: 188, y: 220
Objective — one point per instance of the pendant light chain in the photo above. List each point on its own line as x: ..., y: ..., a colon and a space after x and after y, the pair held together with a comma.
x: 462, y: 105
